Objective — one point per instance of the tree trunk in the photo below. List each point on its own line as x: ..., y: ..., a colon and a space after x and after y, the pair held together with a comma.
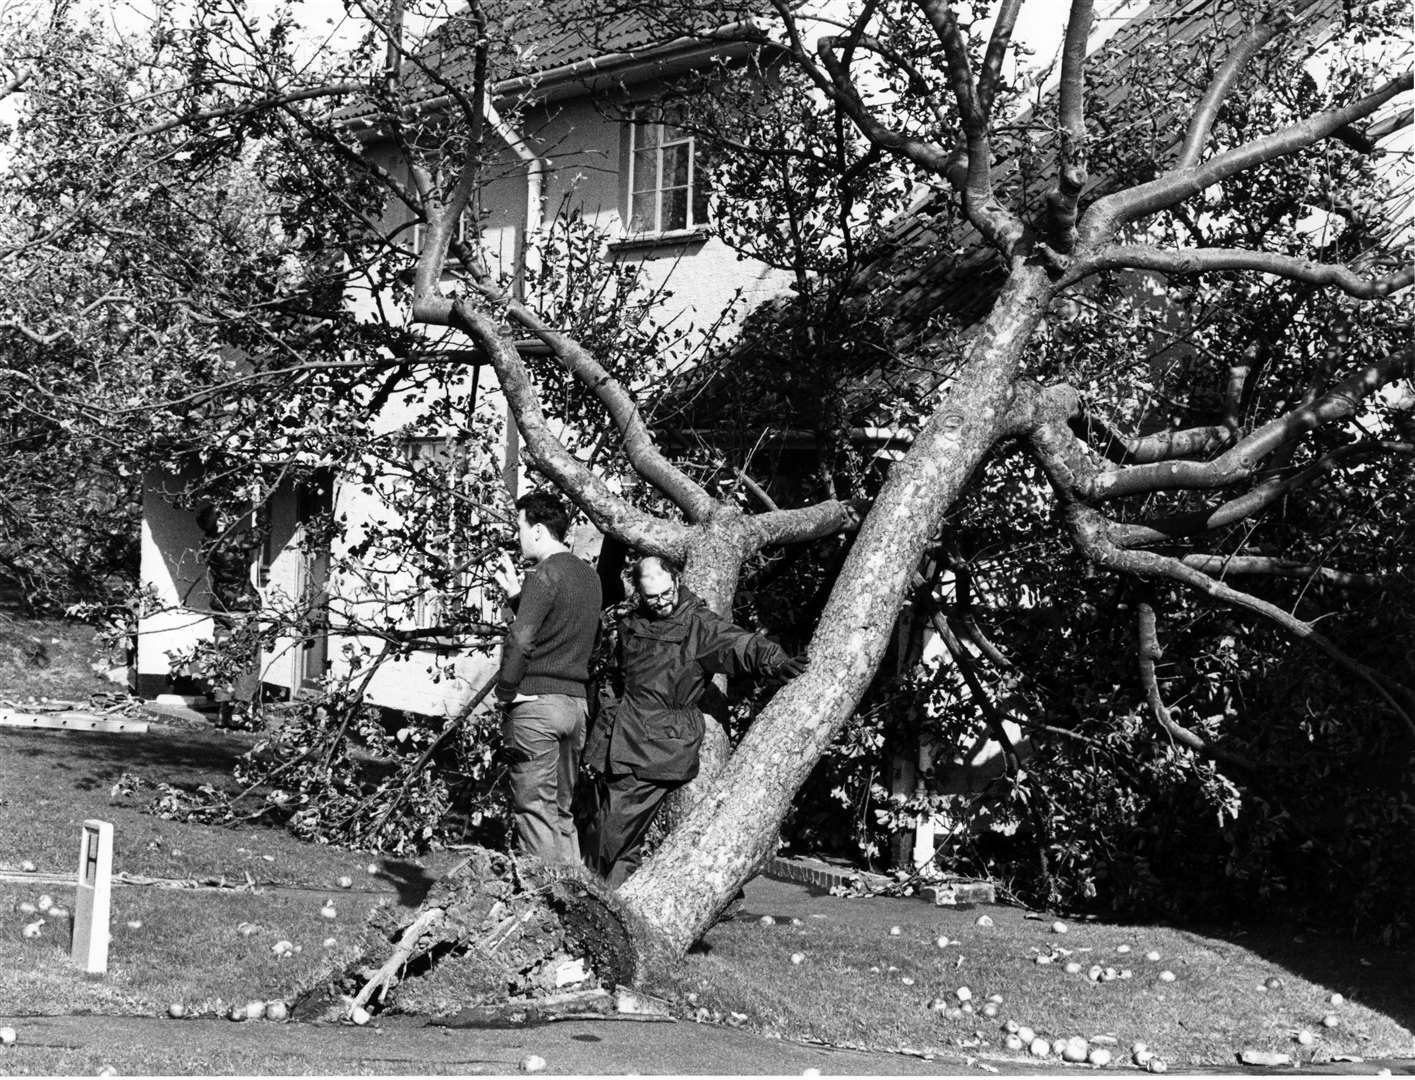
x: 733, y: 827
x: 713, y: 566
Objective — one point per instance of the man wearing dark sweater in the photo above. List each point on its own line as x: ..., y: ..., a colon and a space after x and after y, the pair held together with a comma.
x: 544, y: 668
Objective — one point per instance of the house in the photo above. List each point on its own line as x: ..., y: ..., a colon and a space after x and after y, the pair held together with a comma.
x: 567, y: 142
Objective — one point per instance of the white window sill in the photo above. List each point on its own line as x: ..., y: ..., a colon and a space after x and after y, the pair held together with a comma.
x: 641, y: 241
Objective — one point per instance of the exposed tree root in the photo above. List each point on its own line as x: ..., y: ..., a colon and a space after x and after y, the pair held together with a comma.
x: 495, y: 931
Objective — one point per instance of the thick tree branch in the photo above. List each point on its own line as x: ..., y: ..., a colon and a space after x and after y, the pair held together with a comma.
x: 991, y: 74
x: 639, y: 446
x: 1209, y: 260
x: 1149, y: 654
x: 1090, y: 532
x: 1242, y: 460
x: 806, y: 523
x: 1000, y: 227
x: 1147, y: 449
x: 1176, y: 526
x: 1071, y: 174
x: 1275, y: 566
x: 1106, y: 215
x: 607, y: 510
x: 1220, y: 86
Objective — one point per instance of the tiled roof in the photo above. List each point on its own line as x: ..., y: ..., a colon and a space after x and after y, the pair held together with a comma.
x: 539, y: 36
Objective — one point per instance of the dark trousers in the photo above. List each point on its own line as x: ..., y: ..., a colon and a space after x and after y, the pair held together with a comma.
x: 627, y: 808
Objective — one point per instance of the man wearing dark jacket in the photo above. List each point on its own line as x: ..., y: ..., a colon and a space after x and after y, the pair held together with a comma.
x: 669, y: 649
x: 544, y: 668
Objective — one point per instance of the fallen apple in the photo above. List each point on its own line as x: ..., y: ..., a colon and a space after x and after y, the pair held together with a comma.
x: 895, y: 931
x: 1011, y: 1027
x: 1272, y: 982
x: 27, y: 866
x: 7, y: 1036
x: 1336, y: 999
x: 359, y: 1015
x: 1305, y: 1038
x: 32, y: 930
x: 329, y: 911
x: 255, y: 1010
x: 134, y: 924
x: 346, y: 882
x: 1152, y: 956
x: 1122, y: 949
x: 1026, y: 1034
x: 1039, y: 1047
x: 1058, y: 1047
x: 963, y: 994
x: 990, y: 1010
x: 330, y: 942
x: 1156, y: 1065
x: 996, y: 999
x: 1075, y: 1051
x: 767, y: 920
x: 906, y: 980
x: 1167, y: 976
x: 983, y: 920
x: 1072, y: 968
x: 532, y: 1063
x: 236, y: 1013
x: 1058, y: 927
x: 28, y: 909
x: 176, y: 1010
x: 45, y: 902
x: 798, y: 958
x: 942, y: 941
x: 1098, y: 1056
x: 1013, y: 1043
x: 1330, y: 1021
x: 1043, y: 958
x: 277, y: 1011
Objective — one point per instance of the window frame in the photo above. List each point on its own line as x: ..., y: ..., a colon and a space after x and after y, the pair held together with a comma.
x: 638, y: 125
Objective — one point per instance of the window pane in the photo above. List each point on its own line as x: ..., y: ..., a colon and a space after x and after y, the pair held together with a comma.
x: 646, y: 135
x: 641, y: 216
x: 673, y: 134
x: 675, y: 209
x: 675, y: 165
x: 645, y: 170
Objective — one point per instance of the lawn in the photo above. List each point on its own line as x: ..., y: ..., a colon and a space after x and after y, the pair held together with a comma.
x: 856, y: 983
x: 824, y: 968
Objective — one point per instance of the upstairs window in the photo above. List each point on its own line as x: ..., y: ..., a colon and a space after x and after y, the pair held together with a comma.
x: 666, y: 193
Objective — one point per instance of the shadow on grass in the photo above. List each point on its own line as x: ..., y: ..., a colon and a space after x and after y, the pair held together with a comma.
x: 412, y: 881
x: 1380, y: 977
x: 100, y: 758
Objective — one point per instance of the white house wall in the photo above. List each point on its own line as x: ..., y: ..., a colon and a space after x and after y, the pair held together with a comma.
x: 175, y: 576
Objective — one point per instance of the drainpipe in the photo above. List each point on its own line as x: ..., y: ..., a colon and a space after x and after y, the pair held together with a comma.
x: 535, y: 194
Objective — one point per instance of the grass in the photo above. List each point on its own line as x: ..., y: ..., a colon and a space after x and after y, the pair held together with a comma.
x: 849, y: 988
x: 45, y: 658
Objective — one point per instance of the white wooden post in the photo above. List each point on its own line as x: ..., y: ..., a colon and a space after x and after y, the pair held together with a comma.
x: 92, y: 905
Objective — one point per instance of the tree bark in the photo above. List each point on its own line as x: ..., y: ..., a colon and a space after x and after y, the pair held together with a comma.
x: 716, y: 552
x: 733, y: 827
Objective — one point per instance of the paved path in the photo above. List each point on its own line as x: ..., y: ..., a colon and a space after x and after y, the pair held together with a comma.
x: 78, y: 1045
x: 397, y: 1045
